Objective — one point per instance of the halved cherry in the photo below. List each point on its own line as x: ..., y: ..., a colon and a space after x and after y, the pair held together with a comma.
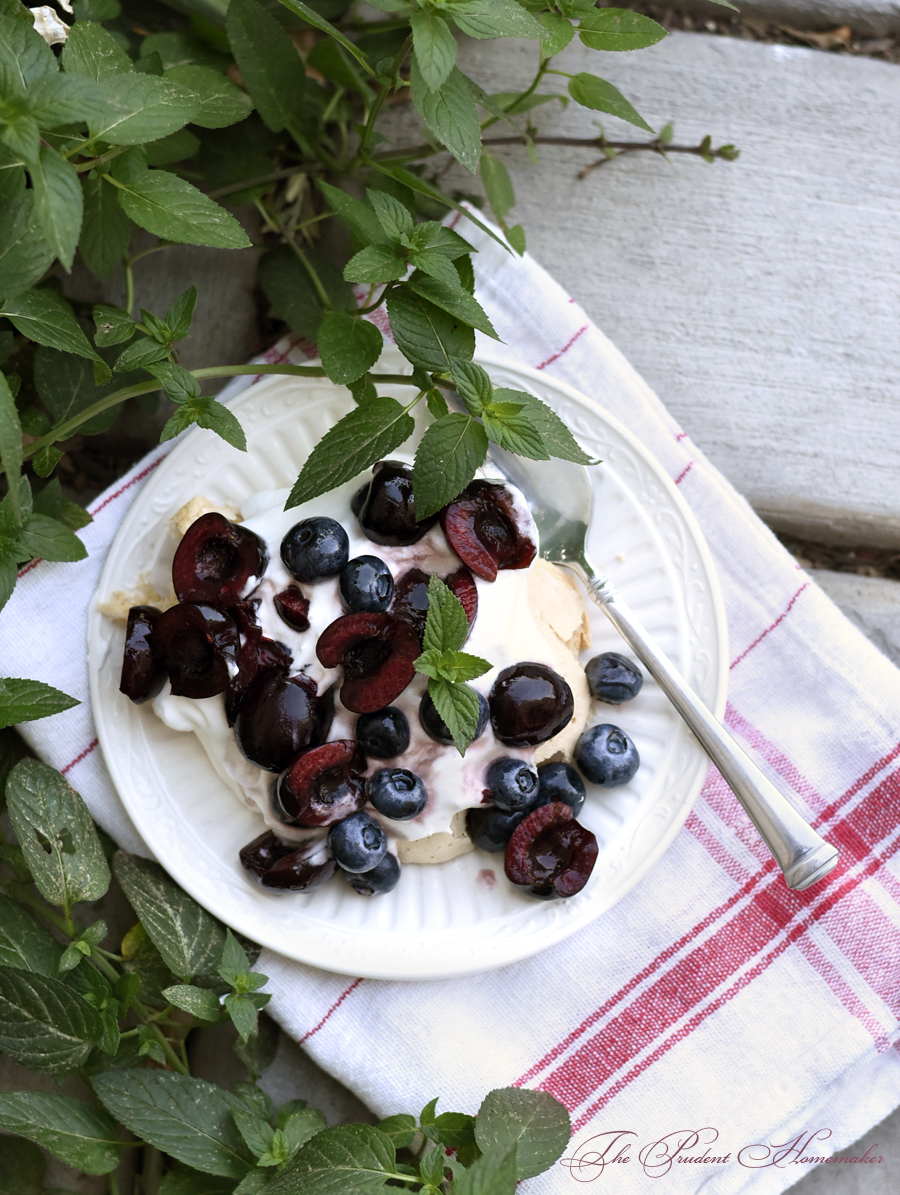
x: 304, y: 869
x: 462, y: 585
x: 293, y: 608
x: 377, y: 652
x: 259, y: 855
x: 488, y: 531
x: 218, y: 561
x: 143, y: 673
x: 322, y: 785
x: 410, y: 603
x: 279, y: 716
x: 550, y: 853
x: 257, y: 655
x: 198, y: 646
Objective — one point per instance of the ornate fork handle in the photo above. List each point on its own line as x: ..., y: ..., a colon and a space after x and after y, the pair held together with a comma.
x: 802, y: 854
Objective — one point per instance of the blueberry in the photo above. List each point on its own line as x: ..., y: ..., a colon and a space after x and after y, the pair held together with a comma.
x: 513, y: 784
x: 435, y: 726
x: 358, y: 843
x: 316, y: 547
x: 560, y: 782
x: 382, y: 878
x: 490, y: 828
x: 366, y: 584
x: 397, y: 793
x: 607, y: 756
x: 384, y: 734
x: 612, y: 678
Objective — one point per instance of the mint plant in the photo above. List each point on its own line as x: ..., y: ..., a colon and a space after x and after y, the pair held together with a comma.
x: 121, y: 1016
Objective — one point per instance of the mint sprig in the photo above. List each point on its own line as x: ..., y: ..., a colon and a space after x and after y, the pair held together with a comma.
x: 448, y: 668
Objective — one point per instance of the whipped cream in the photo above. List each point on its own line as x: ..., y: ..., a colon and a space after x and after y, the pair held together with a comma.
x: 532, y: 614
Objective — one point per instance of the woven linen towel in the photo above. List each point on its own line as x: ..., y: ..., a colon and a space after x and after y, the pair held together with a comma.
x: 711, y: 1000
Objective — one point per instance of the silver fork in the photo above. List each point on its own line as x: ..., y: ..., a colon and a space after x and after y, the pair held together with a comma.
x: 561, y: 498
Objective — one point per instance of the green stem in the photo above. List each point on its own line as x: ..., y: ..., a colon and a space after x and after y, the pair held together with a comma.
x: 113, y: 1184
x: 274, y: 177
x: 541, y: 71
x: 273, y: 224
x: 378, y: 104
x: 129, y: 285
x: 19, y: 892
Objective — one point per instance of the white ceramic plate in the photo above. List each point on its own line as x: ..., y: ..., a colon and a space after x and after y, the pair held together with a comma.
x: 446, y: 919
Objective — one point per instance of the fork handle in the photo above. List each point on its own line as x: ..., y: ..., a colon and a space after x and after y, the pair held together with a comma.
x: 803, y: 856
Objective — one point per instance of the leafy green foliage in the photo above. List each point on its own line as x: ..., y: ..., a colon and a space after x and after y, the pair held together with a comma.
x: 77, y: 1133
x: 532, y: 1122
x: 45, y: 1025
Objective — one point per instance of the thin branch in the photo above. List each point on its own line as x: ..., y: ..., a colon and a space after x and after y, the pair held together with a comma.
x: 414, y: 152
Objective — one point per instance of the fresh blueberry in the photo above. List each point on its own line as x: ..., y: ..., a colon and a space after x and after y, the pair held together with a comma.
x: 513, y: 784
x: 435, y: 726
x: 612, y: 678
x: 490, y: 828
x: 560, y: 782
x: 316, y: 547
x: 397, y: 793
x: 358, y: 843
x: 607, y: 756
x: 366, y: 584
x: 380, y: 879
x: 384, y: 734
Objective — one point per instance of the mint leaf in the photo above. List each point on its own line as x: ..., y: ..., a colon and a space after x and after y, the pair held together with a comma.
x: 114, y: 326
x: 436, y: 403
x: 290, y: 291
x: 243, y: 1013
x: 375, y: 263
x: 199, y: 1002
x: 171, y: 208
x: 24, y: 55
x: 56, y: 833
x: 497, y: 185
x: 354, y: 1159
x: 460, y: 666
x: 52, y: 540
x: 434, y: 47
x: 105, y: 229
x: 207, y: 413
x: 493, y: 1173
x: 24, y: 254
x: 301, y: 1126
x: 600, y: 96
x: 446, y: 460
x: 446, y: 625
x: 141, y: 108
x: 449, y: 113
x: 184, y: 1180
x: 258, y: 1134
x: 473, y: 385
x: 221, y: 102
x: 422, y: 187
x: 79, y: 1135
x: 496, y: 18
x: 189, y: 939
x: 43, y: 1024
x: 187, y: 1118
x: 555, y: 435
x: 10, y: 445
x: 93, y: 52
x: 178, y: 383
x: 425, y: 334
x: 313, y: 18
x: 401, y: 1128
x: 459, y: 707
x: 45, y: 316
x: 619, y: 29
x: 140, y: 354
x: 348, y: 346
x: 66, y: 386
x: 532, y: 1122
x: 181, y: 313
x: 234, y: 961
x: 364, y: 436
x: 269, y: 63
x: 453, y: 1130
x: 512, y: 428
x: 58, y: 202
x: 358, y: 215
x: 393, y: 216
x: 24, y: 943
x: 454, y: 300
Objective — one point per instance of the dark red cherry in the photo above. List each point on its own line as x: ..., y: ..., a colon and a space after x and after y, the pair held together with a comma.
x: 462, y: 585
x: 388, y: 513
x: 245, y: 614
x: 530, y: 703
x: 143, y: 673
x: 550, y: 853
x: 322, y: 785
x: 257, y: 655
x: 259, y: 855
x: 410, y: 602
x: 304, y: 869
x: 198, y: 646
x: 377, y: 653
x: 278, y: 717
x: 488, y: 531
x: 293, y: 608
x: 218, y: 561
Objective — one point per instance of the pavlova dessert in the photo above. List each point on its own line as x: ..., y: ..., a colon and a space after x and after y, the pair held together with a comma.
x: 385, y: 690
